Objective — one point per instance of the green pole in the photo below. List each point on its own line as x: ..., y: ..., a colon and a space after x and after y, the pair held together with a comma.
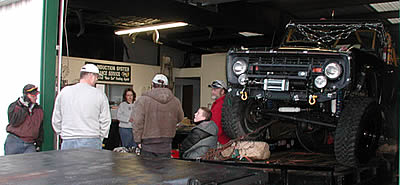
x: 398, y: 101
x: 48, y: 69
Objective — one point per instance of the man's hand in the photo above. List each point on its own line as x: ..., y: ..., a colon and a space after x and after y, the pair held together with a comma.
x: 131, y: 120
x: 24, y: 102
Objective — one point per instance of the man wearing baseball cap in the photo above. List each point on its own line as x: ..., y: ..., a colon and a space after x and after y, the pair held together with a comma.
x: 155, y: 115
x: 25, y: 118
x: 81, y: 113
x: 218, y: 91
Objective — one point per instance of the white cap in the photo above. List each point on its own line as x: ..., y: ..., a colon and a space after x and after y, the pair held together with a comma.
x: 91, y: 68
x: 160, y: 79
x: 218, y: 84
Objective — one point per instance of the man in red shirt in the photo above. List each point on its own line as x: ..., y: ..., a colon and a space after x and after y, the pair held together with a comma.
x: 218, y: 92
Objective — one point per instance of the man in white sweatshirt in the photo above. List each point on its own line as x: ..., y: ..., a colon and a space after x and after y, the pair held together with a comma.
x: 81, y: 112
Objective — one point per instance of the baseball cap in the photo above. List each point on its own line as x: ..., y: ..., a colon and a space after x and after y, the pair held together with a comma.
x: 30, y: 89
x: 90, y: 68
x: 218, y: 84
x: 160, y: 79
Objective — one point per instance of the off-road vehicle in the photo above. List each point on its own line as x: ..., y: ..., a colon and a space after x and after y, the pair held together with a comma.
x: 333, y: 80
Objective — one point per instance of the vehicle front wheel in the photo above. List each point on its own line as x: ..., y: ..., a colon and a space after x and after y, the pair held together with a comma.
x: 241, y: 117
x: 358, y: 131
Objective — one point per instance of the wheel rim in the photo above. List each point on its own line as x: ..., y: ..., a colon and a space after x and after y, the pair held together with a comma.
x: 369, y: 134
x: 252, y: 117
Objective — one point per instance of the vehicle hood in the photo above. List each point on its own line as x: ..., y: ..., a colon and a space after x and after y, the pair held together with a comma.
x: 286, y: 48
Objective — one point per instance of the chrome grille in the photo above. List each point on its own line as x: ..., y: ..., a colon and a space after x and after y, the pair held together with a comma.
x: 288, y: 60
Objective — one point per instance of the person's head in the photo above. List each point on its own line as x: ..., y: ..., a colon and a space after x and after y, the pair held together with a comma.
x: 30, y: 93
x: 218, y: 89
x: 129, y: 95
x: 160, y: 81
x: 202, y: 114
x: 89, y: 74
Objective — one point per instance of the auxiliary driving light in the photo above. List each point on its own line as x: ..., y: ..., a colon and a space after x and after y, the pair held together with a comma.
x: 320, y: 82
x: 242, y: 79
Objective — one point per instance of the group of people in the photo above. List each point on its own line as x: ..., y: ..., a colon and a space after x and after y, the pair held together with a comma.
x: 82, y: 118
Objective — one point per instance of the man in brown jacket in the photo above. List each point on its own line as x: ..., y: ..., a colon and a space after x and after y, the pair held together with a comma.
x: 25, y: 128
x: 155, y: 115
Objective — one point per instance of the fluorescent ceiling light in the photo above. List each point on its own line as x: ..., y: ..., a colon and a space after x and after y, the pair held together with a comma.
x: 151, y: 27
x: 385, y: 7
x: 250, y: 34
x: 394, y: 20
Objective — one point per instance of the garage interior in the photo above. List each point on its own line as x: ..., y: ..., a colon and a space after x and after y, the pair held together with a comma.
x: 214, y: 27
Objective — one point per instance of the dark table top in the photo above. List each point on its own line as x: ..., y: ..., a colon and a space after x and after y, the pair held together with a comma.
x: 86, y: 166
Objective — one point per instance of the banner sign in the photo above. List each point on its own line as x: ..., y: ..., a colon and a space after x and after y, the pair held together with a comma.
x: 114, y: 73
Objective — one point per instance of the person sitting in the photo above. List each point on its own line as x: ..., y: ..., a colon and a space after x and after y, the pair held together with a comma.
x: 202, y: 137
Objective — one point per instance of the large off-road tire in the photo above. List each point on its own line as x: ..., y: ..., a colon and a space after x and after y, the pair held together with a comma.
x: 240, y: 117
x: 358, y: 131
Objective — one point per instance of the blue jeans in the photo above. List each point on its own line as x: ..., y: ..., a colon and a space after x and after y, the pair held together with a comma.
x: 15, y: 145
x: 94, y: 143
x: 127, y: 137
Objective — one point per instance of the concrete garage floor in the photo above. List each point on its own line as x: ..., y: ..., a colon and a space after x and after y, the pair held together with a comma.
x: 85, y: 166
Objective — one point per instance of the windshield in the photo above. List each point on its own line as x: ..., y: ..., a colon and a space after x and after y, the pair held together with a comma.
x: 335, y: 36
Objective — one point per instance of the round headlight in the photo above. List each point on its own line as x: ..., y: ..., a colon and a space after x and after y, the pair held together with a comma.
x: 320, y: 82
x: 242, y: 79
x: 333, y: 70
x: 239, y: 67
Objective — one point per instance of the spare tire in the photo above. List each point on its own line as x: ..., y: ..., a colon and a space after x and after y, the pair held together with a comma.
x: 358, y: 130
x: 241, y: 117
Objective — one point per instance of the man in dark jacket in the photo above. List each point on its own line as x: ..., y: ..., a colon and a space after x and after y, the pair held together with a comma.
x: 155, y: 115
x: 202, y: 137
x: 25, y: 118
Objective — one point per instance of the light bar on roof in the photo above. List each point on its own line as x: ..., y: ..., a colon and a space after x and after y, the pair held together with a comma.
x: 151, y: 27
x: 394, y: 20
x: 385, y: 7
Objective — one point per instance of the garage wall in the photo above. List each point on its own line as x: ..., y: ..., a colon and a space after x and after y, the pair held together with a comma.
x: 141, y: 74
x: 213, y: 67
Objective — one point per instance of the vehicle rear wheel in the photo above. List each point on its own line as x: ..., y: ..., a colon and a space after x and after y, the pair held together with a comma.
x: 358, y: 131
x: 241, y: 117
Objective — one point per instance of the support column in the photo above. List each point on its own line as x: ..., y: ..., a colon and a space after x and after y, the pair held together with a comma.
x: 48, y: 69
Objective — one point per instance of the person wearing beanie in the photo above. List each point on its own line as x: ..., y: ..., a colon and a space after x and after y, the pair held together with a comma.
x: 81, y: 114
x: 25, y: 116
x: 155, y: 115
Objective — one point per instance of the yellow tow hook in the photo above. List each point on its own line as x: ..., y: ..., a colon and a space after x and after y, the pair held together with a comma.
x: 244, y: 94
x: 312, y: 99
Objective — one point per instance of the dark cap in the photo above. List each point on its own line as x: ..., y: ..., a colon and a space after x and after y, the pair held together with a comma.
x: 218, y: 84
x: 30, y: 89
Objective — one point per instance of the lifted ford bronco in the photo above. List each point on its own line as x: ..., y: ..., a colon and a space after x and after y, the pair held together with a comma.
x: 333, y: 80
